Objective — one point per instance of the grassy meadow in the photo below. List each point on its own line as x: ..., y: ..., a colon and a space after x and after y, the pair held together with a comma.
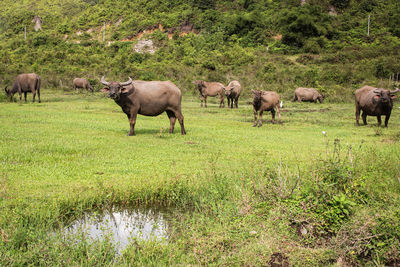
x: 242, y: 195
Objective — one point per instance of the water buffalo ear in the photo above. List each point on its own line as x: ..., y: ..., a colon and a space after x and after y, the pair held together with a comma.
x: 376, y: 96
x: 393, y: 96
x: 126, y: 89
x: 105, y: 90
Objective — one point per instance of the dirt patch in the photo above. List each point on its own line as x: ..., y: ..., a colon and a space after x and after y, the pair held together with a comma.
x: 279, y: 260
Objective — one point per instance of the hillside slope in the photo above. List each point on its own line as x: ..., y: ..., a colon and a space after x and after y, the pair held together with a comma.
x: 274, y: 44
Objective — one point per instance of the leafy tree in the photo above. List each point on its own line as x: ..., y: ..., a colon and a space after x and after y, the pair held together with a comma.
x: 306, y: 22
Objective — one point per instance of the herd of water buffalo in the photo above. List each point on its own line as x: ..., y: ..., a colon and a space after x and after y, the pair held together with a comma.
x: 151, y: 98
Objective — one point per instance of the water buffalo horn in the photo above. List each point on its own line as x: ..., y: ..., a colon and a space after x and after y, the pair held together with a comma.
x: 377, y: 91
x: 395, y: 91
x: 5, y: 89
x: 127, y: 83
x: 104, y: 81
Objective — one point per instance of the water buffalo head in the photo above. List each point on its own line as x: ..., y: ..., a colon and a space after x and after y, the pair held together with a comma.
x: 228, y: 90
x: 200, y: 85
x: 321, y: 98
x: 114, y: 89
x: 384, y: 96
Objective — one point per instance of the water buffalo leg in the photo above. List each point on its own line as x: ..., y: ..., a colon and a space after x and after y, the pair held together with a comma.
x: 379, y: 120
x: 25, y: 93
x: 38, y: 94
x: 34, y: 95
x: 229, y: 101
x: 205, y: 101
x: 172, y: 120
x: 279, y: 114
x: 255, y: 118
x: 179, y: 115
x: 132, y: 121
x: 294, y: 98
x: 273, y: 115
x: 387, y: 119
x: 236, y: 102
x: 364, y: 117
x: 260, y: 119
x: 221, y: 101
x: 357, y: 115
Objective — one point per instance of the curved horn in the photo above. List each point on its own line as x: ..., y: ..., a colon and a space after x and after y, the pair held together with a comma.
x: 377, y: 91
x: 395, y: 91
x: 5, y: 89
x: 127, y: 82
x: 104, y: 81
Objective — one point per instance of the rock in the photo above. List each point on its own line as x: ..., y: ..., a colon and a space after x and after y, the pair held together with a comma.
x: 144, y: 46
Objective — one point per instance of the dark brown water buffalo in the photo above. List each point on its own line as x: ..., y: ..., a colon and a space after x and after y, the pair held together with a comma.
x: 82, y: 83
x: 147, y: 98
x: 24, y: 83
x: 210, y: 89
x: 232, y: 92
x: 374, y: 102
x: 308, y: 95
x: 265, y: 101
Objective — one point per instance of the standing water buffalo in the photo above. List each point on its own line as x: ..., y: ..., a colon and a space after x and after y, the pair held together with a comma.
x: 210, y: 89
x: 307, y: 94
x: 374, y: 102
x: 232, y: 92
x: 24, y: 83
x: 82, y: 83
x: 265, y: 101
x: 147, y: 98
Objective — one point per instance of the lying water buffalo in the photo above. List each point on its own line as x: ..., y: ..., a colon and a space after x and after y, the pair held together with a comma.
x: 308, y: 95
x: 24, y: 83
x: 265, y: 101
x: 82, y: 83
x: 147, y: 98
x: 232, y: 92
x: 374, y: 102
x: 210, y: 89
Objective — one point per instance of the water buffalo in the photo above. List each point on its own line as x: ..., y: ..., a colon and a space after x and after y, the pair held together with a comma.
x: 82, y: 83
x: 265, y: 101
x: 147, y: 98
x: 374, y: 102
x: 307, y: 94
x: 232, y: 92
x: 210, y: 89
x: 24, y: 83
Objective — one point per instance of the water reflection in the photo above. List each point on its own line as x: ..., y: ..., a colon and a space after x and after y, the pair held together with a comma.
x: 122, y: 226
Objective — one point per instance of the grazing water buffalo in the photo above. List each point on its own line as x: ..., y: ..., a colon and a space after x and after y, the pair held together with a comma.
x: 374, y: 102
x: 232, y: 92
x: 24, y: 83
x: 210, y: 89
x: 147, y: 98
x: 82, y: 83
x: 265, y: 101
x: 307, y: 94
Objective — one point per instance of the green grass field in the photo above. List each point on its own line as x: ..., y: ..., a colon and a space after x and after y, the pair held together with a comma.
x: 70, y: 154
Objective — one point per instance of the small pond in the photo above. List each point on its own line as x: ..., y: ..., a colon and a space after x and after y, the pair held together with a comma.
x: 121, y: 226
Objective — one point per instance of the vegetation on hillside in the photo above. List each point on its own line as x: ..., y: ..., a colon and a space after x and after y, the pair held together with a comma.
x: 244, y: 195
x: 265, y: 44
